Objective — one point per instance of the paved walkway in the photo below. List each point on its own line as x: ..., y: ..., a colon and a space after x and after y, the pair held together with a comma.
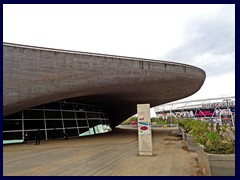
x: 111, y: 154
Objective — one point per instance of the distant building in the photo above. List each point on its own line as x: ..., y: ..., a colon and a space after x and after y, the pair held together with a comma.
x: 209, y: 109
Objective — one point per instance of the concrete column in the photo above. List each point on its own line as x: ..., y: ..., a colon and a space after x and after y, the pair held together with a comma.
x: 144, y: 129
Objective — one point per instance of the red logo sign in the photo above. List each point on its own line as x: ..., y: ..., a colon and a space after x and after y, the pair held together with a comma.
x: 144, y: 128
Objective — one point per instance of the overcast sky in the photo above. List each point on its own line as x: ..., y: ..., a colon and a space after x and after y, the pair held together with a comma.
x: 199, y: 35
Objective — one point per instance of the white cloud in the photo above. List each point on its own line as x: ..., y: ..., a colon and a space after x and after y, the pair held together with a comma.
x: 200, y: 35
x: 131, y: 30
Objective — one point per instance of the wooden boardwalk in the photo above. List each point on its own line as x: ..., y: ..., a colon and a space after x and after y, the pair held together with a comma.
x: 111, y: 154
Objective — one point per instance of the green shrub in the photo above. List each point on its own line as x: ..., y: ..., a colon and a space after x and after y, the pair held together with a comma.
x: 222, y: 147
x: 214, y: 141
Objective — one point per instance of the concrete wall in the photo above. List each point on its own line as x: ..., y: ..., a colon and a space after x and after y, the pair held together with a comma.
x: 33, y: 76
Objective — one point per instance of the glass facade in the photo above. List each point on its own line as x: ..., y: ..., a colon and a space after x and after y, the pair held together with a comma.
x: 54, y: 120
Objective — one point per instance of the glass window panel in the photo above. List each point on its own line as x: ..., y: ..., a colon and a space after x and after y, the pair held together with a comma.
x: 99, y: 129
x: 93, y: 125
x: 82, y: 123
x: 33, y: 114
x: 91, y: 130
x: 106, y: 116
x: 12, y: 125
x: 79, y: 107
x: 102, y: 116
x: 83, y: 130
x: 97, y: 109
x: 12, y: 135
x: 70, y: 123
x: 94, y: 109
x: 52, y: 105
x: 68, y: 115
x: 32, y: 134
x: 71, y: 132
x: 90, y: 115
x: 53, y: 115
x: 97, y: 115
x: 104, y: 122
x: 81, y: 115
x: 31, y: 124
x: 58, y: 133
x: 54, y: 123
x: 88, y: 108
x: 67, y: 106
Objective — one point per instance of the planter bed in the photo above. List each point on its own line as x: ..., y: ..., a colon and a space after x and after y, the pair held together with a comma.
x: 216, y: 164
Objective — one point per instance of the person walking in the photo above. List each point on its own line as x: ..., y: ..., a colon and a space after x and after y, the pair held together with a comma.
x: 25, y: 138
x: 54, y: 132
x: 38, y: 137
x: 66, y: 134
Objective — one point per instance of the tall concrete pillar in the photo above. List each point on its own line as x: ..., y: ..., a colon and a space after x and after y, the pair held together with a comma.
x: 144, y: 129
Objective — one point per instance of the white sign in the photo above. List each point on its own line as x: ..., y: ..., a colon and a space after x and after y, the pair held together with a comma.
x: 144, y: 129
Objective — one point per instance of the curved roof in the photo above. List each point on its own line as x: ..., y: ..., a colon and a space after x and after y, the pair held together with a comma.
x: 36, y: 75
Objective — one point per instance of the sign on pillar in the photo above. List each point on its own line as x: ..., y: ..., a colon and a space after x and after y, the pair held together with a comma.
x: 144, y: 129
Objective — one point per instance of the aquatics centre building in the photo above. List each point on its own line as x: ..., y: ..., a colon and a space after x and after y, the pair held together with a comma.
x: 83, y: 93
